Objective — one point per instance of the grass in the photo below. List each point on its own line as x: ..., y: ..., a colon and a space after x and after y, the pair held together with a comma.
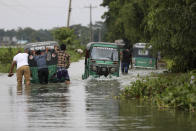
x: 171, y: 90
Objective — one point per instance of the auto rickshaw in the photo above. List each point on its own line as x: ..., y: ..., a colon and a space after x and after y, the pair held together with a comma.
x: 102, y: 59
x: 142, y: 56
x: 51, y: 59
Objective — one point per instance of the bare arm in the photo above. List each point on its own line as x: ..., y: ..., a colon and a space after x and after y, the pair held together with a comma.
x: 68, y: 61
x: 11, y: 69
x: 33, y: 52
x: 46, y: 50
x: 56, y: 49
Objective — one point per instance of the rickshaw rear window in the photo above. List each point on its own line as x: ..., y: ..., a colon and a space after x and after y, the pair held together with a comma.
x: 143, y: 52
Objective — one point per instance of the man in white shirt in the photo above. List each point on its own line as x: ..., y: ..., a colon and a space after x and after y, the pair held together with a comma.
x: 21, y: 59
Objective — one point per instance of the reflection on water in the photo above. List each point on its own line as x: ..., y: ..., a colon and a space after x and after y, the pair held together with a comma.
x: 47, y: 106
x: 101, y: 105
x: 83, y: 106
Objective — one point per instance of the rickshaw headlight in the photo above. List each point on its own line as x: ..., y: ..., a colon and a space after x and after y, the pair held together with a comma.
x: 113, y: 70
x: 94, y: 68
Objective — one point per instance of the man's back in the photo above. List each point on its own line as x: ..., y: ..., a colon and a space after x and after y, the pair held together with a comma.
x: 21, y: 59
x: 63, y: 59
x: 126, y: 56
x: 41, y: 61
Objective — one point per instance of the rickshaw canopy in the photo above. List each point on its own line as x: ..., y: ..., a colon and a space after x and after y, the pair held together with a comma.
x: 41, y: 45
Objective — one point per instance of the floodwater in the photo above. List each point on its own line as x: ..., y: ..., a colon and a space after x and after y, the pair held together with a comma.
x: 86, y: 105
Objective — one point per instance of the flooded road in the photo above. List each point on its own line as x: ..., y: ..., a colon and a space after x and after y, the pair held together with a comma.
x: 86, y: 105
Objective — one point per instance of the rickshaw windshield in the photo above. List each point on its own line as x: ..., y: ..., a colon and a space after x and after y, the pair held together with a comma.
x: 104, y: 53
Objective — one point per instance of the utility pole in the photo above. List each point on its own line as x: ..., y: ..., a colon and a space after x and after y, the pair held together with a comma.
x: 100, y: 34
x: 91, y: 30
x: 69, y: 13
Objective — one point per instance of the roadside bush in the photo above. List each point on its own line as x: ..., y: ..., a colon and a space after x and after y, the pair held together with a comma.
x: 165, y: 90
x: 6, y: 57
x: 74, y: 56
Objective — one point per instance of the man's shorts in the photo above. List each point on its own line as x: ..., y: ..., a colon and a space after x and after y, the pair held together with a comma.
x: 62, y: 74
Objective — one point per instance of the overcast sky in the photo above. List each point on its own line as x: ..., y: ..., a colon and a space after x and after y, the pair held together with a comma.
x: 46, y: 14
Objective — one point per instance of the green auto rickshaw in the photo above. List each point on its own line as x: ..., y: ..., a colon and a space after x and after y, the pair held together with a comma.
x: 142, y: 56
x: 102, y: 59
x: 51, y: 59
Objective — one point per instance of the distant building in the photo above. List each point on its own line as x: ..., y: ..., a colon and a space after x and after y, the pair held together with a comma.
x: 14, y: 39
x: 22, y: 42
x: 6, y: 39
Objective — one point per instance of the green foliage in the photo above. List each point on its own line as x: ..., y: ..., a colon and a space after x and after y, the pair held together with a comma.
x: 82, y: 33
x: 172, y: 27
x: 6, y: 57
x: 168, y: 25
x: 125, y: 20
x: 28, y: 34
x: 99, y: 31
x: 7, y: 54
x: 74, y: 56
x: 4, y: 68
x: 171, y: 90
x: 66, y: 36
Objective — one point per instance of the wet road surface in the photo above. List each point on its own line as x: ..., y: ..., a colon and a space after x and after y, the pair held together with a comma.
x: 86, y: 105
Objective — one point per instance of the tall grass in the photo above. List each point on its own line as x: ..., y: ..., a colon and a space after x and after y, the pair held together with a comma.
x: 166, y: 90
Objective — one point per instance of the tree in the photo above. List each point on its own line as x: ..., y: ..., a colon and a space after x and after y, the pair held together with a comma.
x: 113, y: 20
x: 168, y: 25
x: 99, y: 31
x: 66, y: 36
x: 172, y: 26
x: 125, y: 20
x: 82, y: 33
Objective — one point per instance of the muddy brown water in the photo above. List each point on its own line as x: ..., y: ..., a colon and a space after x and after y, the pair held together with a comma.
x: 86, y: 105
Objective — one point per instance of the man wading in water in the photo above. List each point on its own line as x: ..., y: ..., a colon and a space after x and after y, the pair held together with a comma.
x: 63, y: 64
x: 40, y: 59
x: 125, y: 61
x: 21, y: 60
